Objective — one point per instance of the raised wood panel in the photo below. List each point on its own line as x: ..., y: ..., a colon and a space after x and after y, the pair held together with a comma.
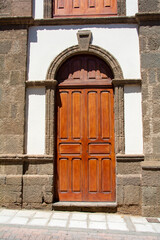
x: 91, y: 3
x: 76, y: 114
x: 105, y: 114
x: 93, y: 175
x: 63, y: 175
x: 70, y: 148
x: 76, y: 175
x: 60, y: 4
x: 92, y: 114
x: 106, y: 175
x: 98, y: 148
x: 64, y: 115
x: 76, y: 3
x: 107, y: 3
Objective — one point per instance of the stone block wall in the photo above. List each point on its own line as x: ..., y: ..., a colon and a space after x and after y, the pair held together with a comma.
x: 149, y: 6
x: 150, y: 69
x: 151, y: 188
x: 38, y: 185
x: 129, y: 181
x: 10, y: 183
x: 15, y: 8
x: 13, y: 51
x: 26, y: 183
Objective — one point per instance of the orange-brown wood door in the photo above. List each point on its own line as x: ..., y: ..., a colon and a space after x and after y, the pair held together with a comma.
x: 85, y: 144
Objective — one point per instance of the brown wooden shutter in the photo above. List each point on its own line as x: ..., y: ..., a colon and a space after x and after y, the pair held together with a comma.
x: 74, y: 8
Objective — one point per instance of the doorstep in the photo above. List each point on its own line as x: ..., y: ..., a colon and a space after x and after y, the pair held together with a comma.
x: 86, y: 206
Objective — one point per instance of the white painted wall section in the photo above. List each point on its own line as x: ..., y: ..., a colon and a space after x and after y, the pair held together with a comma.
x: 35, y: 120
x: 38, y: 8
x: 133, y: 120
x: 45, y: 43
x: 131, y: 7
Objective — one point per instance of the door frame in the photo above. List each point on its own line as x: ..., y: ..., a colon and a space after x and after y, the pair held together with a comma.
x: 51, y: 86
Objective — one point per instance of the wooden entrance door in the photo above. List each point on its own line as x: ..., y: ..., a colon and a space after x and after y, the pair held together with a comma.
x: 85, y: 138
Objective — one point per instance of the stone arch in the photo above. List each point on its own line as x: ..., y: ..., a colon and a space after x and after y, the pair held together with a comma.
x: 93, y: 50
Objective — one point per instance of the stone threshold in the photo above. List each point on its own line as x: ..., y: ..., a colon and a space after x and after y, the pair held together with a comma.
x: 86, y: 204
x: 109, y: 207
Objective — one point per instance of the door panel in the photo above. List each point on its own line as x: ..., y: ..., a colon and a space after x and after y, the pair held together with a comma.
x: 100, y: 145
x: 76, y: 175
x: 64, y: 115
x: 69, y: 145
x: 93, y: 177
x: 92, y: 113
x: 85, y: 145
x: 76, y: 113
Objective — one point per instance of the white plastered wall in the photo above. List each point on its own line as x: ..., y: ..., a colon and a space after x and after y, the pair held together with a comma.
x: 38, y: 6
x: 35, y: 116
x: 45, y: 43
x: 133, y: 119
x: 131, y: 7
x: 122, y: 41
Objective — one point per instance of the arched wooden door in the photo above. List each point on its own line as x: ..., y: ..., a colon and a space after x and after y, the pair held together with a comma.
x: 85, y: 131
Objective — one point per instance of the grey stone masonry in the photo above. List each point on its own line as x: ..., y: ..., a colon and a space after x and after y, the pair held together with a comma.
x: 15, y: 8
x: 149, y: 6
x: 150, y: 70
x: 13, y: 49
x: 151, y: 188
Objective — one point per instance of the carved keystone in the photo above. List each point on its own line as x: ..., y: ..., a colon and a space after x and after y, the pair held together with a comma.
x: 84, y: 39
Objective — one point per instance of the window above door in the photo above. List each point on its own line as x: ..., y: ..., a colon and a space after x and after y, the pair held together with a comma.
x: 84, y: 8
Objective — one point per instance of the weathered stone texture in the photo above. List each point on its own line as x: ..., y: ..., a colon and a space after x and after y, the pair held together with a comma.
x: 151, y: 211
x: 150, y: 69
x: 38, y: 168
x: 132, y: 195
x: 10, y: 190
x: 25, y: 183
x: 15, y: 8
x: 10, y: 168
x: 37, y: 189
x: 151, y: 189
x: 13, y: 49
x: 121, y: 7
x: 149, y: 6
x: 150, y: 196
x: 129, y: 167
x: 151, y: 178
x: 129, y: 193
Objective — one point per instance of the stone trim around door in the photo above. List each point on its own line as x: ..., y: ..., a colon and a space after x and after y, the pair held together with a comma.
x: 94, y: 50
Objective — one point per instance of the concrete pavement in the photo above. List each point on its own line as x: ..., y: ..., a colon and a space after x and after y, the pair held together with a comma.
x: 35, y: 224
